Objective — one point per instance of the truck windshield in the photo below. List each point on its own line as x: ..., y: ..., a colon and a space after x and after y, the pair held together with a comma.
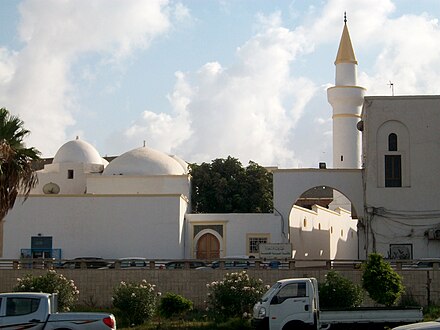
x: 269, y: 292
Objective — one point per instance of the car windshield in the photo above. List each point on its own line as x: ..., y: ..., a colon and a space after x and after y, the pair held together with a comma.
x: 269, y: 292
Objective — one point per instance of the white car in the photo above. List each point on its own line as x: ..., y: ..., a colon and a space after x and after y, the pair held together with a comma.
x: 432, y: 325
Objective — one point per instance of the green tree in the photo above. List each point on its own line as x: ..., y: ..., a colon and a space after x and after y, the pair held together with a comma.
x: 16, y: 172
x: 225, y: 186
x: 381, y: 282
x: 339, y: 292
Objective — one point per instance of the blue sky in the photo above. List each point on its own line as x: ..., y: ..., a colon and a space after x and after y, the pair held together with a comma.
x: 204, y: 79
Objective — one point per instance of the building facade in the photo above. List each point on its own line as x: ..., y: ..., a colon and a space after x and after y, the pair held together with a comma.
x: 385, y: 189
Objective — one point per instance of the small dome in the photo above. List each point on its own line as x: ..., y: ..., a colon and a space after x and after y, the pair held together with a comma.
x: 77, y: 151
x: 144, y: 161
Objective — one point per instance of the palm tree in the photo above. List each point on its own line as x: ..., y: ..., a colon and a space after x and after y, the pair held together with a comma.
x: 16, y: 173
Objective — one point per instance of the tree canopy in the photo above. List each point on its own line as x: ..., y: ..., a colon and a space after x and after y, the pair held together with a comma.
x: 383, y: 284
x: 16, y: 173
x: 225, y: 186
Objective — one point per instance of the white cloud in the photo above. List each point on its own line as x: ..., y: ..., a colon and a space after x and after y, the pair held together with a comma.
x: 411, y: 63
x: 250, y: 109
x: 247, y: 110
x: 55, y: 34
x: 255, y: 108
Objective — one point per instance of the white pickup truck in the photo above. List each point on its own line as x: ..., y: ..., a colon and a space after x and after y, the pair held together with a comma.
x: 29, y: 310
x: 294, y: 304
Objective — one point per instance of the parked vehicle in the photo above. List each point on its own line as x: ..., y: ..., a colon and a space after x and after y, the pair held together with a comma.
x: 294, y: 303
x: 128, y: 263
x: 29, y: 310
x: 87, y: 262
x: 181, y: 264
x: 432, y: 325
x: 427, y: 263
x: 234, y: 263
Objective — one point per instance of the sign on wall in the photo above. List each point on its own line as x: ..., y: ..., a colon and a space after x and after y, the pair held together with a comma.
x: 275, y: 251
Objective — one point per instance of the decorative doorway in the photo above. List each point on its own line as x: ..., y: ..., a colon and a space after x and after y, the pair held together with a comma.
x: 208, y: 247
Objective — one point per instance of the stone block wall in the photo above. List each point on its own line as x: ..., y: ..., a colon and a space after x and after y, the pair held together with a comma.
x: 96, y: 285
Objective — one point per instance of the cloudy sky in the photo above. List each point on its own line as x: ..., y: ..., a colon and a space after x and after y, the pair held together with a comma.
x: 204, y: 79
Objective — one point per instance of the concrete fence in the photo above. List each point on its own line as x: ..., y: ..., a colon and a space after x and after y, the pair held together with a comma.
x: 96, y: 285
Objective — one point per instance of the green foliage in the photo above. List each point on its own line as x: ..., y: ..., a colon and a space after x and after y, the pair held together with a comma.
x: 16, y: 172
x: 51, y: 282
x: 381, y: 282
x: 172, y: 304
x: 431, y: 312
x: 234, y: 296
x: 225, y: 186
x: 136, y: 301
x: 339, y: 292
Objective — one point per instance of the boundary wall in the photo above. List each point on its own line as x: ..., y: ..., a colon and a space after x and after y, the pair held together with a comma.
x: 96, y: 285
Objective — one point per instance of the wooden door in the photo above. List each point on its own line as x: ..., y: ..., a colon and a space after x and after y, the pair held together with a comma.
x: 208, y: 247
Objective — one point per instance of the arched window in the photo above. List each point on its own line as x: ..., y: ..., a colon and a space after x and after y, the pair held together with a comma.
x: 392, y: 142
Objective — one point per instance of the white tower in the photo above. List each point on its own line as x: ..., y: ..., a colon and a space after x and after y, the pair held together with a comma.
x: 346, y: 99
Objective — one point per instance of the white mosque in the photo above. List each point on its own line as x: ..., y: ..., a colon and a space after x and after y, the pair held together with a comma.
x: 385, y: 182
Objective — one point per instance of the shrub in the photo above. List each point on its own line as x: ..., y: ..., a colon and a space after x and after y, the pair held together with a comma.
x: 172, y: 304
x: 234, y: 296
x: 339, y: 292
x: 51, y: 282
x: 381, y: 282
x: 136, y: 301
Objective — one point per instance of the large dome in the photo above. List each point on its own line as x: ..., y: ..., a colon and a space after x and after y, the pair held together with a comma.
x: 144, y: 161
x: 77, y: 151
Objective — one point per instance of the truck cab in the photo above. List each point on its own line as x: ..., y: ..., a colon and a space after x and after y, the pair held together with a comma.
x: 32, y: 310
x: 26, y: 309
x: 288, y: 304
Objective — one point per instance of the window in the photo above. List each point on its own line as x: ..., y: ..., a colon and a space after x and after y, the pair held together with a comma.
x: 393, y: 171
x: 254, y: 244
x: 70, y: 174
x: 293, y: 290
x: 21, y: 306
x: 392, y: 142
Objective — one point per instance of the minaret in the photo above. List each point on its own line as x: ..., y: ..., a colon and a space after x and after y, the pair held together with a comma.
x: 346, y: 99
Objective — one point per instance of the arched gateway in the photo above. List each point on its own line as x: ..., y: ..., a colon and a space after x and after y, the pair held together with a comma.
x: 289, y: 184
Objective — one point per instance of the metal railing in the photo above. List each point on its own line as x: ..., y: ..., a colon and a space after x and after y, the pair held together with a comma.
x: 252, y: 263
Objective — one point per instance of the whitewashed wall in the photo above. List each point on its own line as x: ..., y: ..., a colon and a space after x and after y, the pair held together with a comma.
x: 236, y: 228
x: 112, y: 226
x: 403, y: 215
x: 323, y: 234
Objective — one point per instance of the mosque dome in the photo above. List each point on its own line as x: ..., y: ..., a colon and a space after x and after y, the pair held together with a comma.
x: 144, y: 161
x: 78, y: 151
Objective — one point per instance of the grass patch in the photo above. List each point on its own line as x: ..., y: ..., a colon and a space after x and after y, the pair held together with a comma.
x: 431, y: 313
x: 232, y: 324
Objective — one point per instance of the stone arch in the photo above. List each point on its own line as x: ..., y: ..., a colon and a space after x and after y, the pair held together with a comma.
x: 289, y: 184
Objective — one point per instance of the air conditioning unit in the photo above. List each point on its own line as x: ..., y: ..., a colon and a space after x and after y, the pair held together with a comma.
x: 434, y: 234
